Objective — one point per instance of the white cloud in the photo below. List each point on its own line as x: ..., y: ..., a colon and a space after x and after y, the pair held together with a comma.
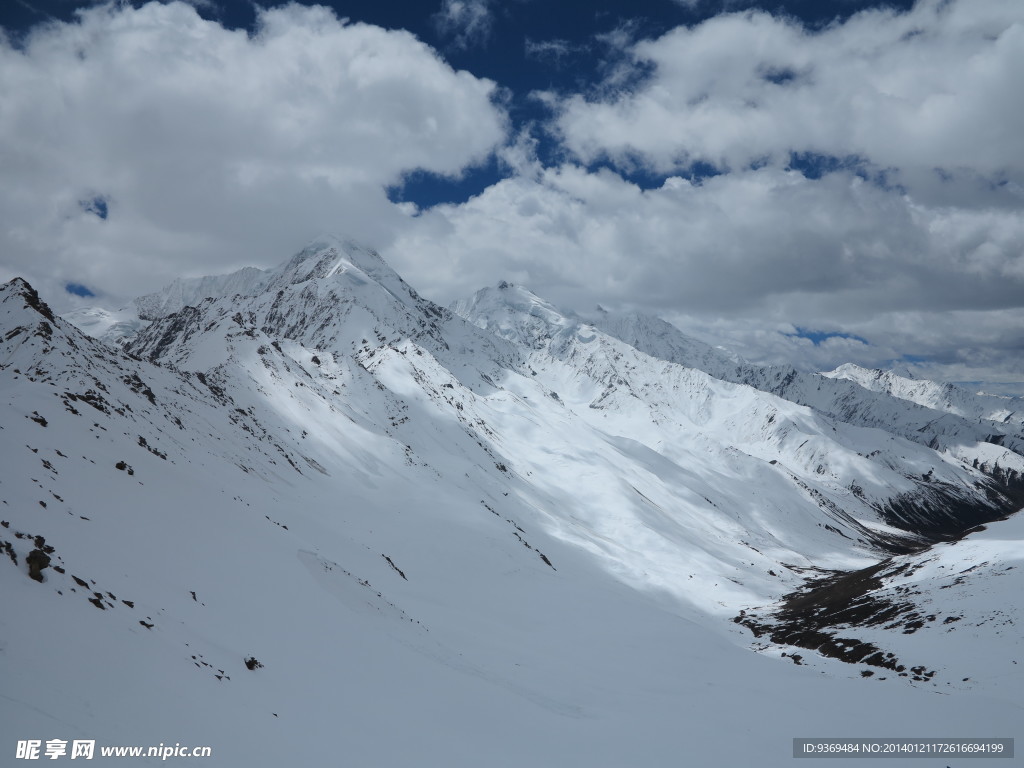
x: 931, y: 88
x: 214, y: 149
x: 742, y: 259
x: 747, y: 241
x: 466, y: 22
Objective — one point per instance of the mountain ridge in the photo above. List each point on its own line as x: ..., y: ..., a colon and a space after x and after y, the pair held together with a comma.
x: 337, y: 453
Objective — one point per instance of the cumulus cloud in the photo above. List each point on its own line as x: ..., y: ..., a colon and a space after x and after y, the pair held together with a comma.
x: 211, y: 148
x: 927, y: 93
x: 755, y: 241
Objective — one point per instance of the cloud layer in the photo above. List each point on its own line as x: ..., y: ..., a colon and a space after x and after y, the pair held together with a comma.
x: 918, y: 91
x: 871, y: 181
x: 870, y: 175
x: 212, y: 148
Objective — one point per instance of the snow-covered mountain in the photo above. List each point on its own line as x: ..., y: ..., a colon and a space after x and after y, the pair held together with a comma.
x: 186, y: 292
x: 938, y: 415
x: 106, y: 325
x: 937, y: 395
x: 495, y: 534
x: 621, y: 363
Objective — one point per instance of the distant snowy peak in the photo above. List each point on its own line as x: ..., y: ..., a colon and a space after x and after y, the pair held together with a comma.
x: 936, y: 395
x: 324, y: 258
x: 333, y: 258
x: 107, y: 325
x: 334, y: 298
x: 517, y: 314
x: 189, y: 291
x: 328, y: 255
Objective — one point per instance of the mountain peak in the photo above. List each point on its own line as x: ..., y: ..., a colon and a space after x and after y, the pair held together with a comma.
x: 19, y: 287
x: 330, y: 255
x: 325, y: 256
x: 515, y: 313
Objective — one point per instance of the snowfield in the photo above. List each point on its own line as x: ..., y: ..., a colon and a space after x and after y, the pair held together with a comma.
x: 492, y: 535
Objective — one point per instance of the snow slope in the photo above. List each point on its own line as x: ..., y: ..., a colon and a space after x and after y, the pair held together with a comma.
x: 449, y: 545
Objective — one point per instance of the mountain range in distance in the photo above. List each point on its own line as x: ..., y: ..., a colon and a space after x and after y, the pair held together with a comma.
x: 496, y: 533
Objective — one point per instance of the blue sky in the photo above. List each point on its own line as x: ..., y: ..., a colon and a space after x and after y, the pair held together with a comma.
x: 816, y: 182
